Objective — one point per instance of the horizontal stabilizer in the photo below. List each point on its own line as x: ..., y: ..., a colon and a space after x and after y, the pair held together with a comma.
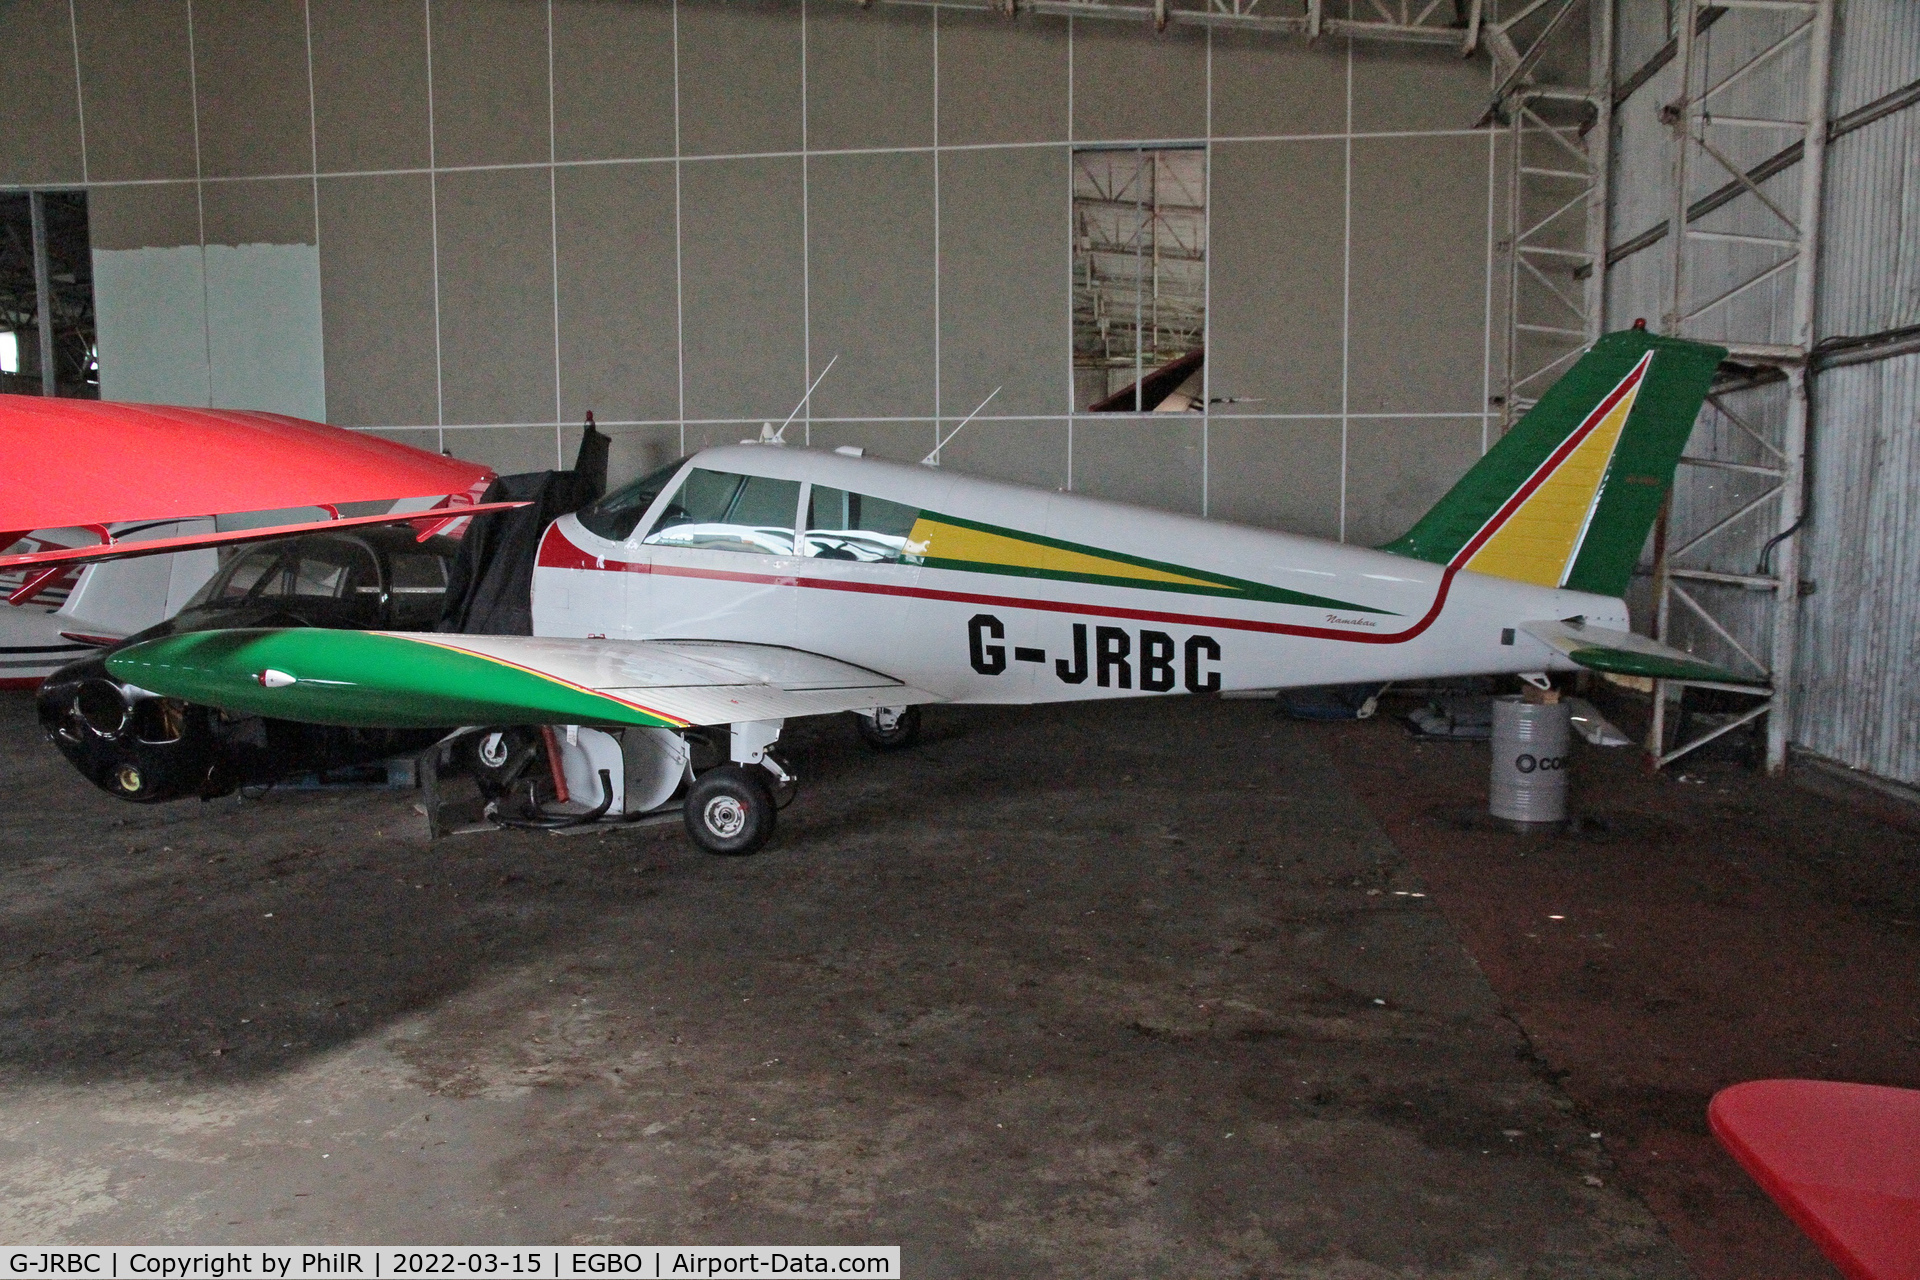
x: 1624, y: 653
x: 427, y: 520
x: 393, y: 679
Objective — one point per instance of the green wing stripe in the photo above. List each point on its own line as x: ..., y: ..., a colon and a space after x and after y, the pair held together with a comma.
x: 1223, y: 586
x: 364, y: 679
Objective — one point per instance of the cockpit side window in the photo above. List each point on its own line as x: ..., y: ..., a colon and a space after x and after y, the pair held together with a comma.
x: 324, y: 568
x: 614, y: 516
x: 852, y: 526
x: 722, y: 511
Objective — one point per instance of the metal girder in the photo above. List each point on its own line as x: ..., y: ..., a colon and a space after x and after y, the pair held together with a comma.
x: 1557, y: 198
x: 1431, y: 22
x: 1722, y: 286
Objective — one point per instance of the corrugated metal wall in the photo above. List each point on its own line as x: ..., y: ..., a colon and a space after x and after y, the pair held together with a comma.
x: 1857, y: 680
x: 1869, y: 267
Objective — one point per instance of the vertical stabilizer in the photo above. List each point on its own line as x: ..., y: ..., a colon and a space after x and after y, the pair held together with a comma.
x: 1566, y: 498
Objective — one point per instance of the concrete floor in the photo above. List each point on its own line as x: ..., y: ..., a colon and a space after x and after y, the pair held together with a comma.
x: 1706, y: 925
x: 1126, y: 990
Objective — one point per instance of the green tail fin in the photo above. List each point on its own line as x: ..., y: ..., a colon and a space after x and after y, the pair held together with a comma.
x: 1566, y: 498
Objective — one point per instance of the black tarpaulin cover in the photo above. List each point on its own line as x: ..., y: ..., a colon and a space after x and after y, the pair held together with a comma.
x: 492, y: 589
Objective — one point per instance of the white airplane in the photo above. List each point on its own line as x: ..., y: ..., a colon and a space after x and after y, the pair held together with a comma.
x: 752, y: 584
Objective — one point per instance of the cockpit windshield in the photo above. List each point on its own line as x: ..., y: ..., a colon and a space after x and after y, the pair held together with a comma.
x: 614, y: 516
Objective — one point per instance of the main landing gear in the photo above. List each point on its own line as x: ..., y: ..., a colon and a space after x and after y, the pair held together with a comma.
x: 888, y: 728
x: 731, y: 809
x: 725, y: 780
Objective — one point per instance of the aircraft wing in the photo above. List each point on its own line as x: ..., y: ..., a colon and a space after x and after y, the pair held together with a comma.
x: 84, y: 462
x: 393, y: 679
x: 1625, y: 653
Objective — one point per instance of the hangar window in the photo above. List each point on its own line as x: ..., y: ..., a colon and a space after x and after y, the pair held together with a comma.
x: 720, y: 511
x: 1139, y: 279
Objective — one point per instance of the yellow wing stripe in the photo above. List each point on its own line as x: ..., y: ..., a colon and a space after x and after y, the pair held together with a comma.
x: 1539, y: 540
x: 938, y: 540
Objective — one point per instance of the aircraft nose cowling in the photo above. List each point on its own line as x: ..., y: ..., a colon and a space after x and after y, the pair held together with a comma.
x: 359, y: 679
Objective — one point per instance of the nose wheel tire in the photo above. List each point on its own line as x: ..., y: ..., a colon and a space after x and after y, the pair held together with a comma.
x: 730, y: 811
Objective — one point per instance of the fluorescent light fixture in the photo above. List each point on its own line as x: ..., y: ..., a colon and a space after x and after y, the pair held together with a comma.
x: 9, y: 351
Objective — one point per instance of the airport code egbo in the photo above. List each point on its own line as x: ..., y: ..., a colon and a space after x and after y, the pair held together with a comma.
x: 468, y: 1262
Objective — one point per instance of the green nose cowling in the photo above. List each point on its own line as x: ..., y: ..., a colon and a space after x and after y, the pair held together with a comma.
x: 360, y: 679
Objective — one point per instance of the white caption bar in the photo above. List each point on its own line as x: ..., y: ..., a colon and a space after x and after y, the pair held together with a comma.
x: 447, y: 1262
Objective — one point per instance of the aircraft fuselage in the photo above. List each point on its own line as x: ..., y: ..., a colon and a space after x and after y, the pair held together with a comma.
x: 987, y: 592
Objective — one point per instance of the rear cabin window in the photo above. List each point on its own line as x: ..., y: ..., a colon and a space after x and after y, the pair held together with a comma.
x: 418, y: 590
x: 332, y: 570
x: 852, y: 526
x: 614, y: 516
x: 721, y: 511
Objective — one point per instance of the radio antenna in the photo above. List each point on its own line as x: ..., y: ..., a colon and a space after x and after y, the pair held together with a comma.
x: 933, y: 459
x: 779, y: 437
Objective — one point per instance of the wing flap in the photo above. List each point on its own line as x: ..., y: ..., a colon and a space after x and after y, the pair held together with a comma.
x: 1626, y: 654
x: 391, y: 679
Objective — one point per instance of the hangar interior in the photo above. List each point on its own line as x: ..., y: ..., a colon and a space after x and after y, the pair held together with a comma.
x: 1223, y: 991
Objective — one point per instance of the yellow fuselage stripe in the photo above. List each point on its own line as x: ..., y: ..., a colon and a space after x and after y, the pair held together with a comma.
x: 937, y: 540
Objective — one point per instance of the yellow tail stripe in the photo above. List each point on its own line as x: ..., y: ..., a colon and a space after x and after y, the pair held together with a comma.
x: 1539, y: 540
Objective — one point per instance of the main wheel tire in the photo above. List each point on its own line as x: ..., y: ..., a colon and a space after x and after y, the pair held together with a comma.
x: 730, y: 811
x: 905, y: 731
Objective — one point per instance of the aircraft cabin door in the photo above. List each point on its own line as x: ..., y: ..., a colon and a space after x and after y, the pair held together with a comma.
x: 722, y: 560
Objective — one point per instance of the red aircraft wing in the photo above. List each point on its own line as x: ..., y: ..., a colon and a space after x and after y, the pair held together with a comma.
x: 1842, y: 1159
x: 90, y: 462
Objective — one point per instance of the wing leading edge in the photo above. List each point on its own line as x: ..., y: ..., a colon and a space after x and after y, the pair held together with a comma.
x: 392, y: 679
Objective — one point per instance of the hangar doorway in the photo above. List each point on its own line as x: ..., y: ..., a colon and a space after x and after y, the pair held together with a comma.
x: 1139, y: 279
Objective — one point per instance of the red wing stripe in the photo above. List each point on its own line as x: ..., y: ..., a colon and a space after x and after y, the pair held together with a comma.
x: 548, y: 675
x: 1552, y: 464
